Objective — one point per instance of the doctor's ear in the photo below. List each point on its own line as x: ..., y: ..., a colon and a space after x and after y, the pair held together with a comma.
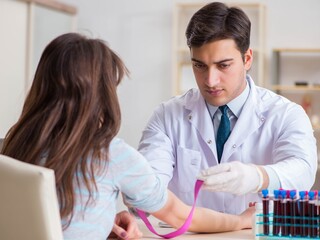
x: 248, y: 57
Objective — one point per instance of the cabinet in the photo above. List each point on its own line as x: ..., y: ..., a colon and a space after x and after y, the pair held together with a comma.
x: 296, y: 75
x: 26, y: 26
x: 183, y: 78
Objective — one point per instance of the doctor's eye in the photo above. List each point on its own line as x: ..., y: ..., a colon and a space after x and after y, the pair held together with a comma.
x: 199, y: 66
x: 224, y: 66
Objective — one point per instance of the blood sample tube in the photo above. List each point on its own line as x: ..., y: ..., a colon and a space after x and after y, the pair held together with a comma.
x: 289, y: 216
x: 276, y: 213
x: 318, y: 213
x: 294, y: 224
x: 303, y: 213
x: 265, y: 211
x: 284, y: 213
x: 312, y: 215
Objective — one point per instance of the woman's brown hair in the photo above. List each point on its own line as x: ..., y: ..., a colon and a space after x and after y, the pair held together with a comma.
x: 71, y: 113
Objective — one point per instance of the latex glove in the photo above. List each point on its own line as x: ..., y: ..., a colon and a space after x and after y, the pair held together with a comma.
x: 125, y: 227
x: 234, y: 177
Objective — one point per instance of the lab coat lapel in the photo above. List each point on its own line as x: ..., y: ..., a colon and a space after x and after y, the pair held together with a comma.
x: 200, y: 119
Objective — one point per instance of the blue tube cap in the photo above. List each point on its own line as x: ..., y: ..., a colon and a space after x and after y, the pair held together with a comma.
x: 265, y: 193
x: 311, y: 195
x: 293, y: 194
x: 302, y: 194
x: 276, y: 194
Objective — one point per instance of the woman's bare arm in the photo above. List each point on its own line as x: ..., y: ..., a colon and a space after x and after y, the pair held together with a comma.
x: 175, y: 212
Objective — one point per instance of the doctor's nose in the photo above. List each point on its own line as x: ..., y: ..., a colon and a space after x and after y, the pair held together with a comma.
x: 212, y: 77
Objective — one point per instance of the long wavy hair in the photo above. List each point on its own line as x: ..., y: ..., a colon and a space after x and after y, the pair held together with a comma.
x: 71, y: 114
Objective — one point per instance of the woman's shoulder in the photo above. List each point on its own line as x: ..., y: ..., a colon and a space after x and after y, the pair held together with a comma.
x: 119, y: 144
x: 121, y: 151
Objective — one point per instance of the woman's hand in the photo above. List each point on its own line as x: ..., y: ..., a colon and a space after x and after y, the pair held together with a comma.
x: 246, y: 216
x: 125, y: 227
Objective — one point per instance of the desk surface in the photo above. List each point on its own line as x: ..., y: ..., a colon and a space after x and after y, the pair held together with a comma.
x: 243, y: 234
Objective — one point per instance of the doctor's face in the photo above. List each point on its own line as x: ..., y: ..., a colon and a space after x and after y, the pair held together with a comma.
x: 220, y: 70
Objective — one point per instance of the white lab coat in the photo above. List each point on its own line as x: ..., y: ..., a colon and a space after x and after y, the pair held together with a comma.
x: 179, y: 142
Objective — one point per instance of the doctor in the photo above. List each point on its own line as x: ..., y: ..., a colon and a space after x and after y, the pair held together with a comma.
x: 271, y: 142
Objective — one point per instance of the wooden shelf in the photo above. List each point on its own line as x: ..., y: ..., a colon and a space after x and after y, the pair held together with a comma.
x: 297, y: 50
x: 56, y: 5
x: 291, y: 65
x: 187, y: 50
x: 316, y: 127
x: 295, y: 88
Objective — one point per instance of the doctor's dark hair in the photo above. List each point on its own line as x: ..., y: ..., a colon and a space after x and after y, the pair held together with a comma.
x: 71, y: 114
x: 216, y: 21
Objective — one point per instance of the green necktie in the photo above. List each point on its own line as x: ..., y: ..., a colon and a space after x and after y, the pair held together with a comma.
x: 223, y: 130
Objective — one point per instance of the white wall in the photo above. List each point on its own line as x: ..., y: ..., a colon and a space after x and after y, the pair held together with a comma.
x: 12, y: 67
x: 140, y: 32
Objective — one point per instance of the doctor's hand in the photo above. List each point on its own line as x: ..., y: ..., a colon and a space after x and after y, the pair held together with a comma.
x: 234, y: 177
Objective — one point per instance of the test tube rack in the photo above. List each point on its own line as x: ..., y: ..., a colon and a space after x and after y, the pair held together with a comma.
x: 290, y: 218
x: 311, y: 230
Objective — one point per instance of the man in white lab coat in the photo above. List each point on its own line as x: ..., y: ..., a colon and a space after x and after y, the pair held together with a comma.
x: 271, y: 144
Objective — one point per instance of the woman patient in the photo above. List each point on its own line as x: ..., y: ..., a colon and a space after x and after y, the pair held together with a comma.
x: 69, y: 123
